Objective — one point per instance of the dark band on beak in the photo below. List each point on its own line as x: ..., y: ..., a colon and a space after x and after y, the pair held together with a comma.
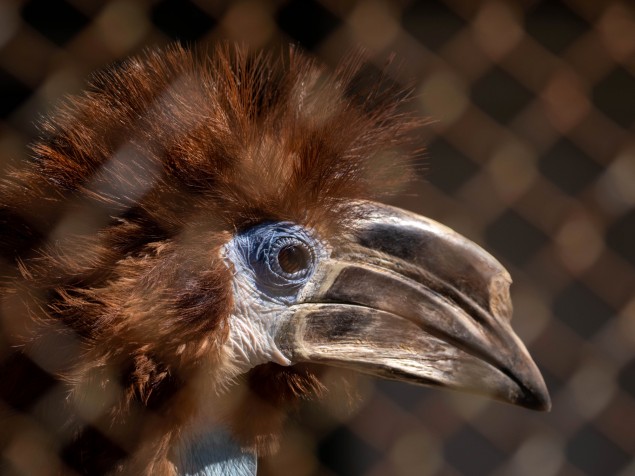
x: 409, y: 299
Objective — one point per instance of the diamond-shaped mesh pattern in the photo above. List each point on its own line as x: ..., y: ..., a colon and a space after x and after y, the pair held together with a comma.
x: 532, y: 154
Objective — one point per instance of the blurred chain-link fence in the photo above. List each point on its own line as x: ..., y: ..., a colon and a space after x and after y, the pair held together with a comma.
x: 532, y: 154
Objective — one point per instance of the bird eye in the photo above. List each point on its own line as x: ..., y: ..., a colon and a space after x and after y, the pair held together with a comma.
x: 280, y: 255
x: 293, y: 258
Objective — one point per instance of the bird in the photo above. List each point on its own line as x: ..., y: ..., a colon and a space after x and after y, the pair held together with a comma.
x: 198, y: 235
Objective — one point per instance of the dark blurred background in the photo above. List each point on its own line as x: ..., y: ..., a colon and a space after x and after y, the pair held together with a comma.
x: 532, y: 155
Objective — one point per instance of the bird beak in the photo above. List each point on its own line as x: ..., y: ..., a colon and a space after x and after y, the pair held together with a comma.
x: 406, y: 298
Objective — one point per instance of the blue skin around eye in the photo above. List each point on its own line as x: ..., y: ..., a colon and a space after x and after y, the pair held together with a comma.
x: 259, y: 247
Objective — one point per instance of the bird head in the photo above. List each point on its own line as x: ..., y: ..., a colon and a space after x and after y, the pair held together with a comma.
x: 196, y: 237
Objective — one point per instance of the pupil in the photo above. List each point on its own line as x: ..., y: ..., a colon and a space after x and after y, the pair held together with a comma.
x: 293, y: 258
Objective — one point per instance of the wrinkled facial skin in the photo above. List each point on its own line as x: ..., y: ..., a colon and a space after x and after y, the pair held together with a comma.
x: 402, y: 297
x: 272, y: 263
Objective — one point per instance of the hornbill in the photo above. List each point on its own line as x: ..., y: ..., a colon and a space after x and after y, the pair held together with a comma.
x: 192, y: 241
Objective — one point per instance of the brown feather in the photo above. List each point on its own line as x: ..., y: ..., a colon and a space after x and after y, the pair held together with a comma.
x: 111, y: 237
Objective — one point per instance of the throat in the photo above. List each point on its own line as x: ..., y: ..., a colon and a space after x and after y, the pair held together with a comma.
x: 214, y: 453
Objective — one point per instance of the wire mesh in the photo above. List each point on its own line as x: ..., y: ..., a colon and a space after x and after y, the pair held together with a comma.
x: 532, y: 154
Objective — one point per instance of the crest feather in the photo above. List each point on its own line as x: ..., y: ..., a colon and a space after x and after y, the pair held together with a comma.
x: 237, y: 136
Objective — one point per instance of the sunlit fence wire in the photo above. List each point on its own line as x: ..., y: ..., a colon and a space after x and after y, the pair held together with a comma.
x: 531, y: 153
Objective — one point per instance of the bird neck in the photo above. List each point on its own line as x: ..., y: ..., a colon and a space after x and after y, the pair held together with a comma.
x: 213, y: 453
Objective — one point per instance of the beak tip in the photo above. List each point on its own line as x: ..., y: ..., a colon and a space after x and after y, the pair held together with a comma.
x: 535, y: 397
x: 534, y: 401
